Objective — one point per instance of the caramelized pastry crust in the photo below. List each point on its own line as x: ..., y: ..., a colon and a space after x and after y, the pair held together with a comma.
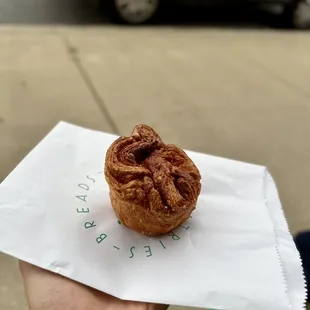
x: 154, y: 187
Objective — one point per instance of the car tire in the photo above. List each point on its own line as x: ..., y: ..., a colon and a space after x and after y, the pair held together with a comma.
x: 132, y: 12
x: 297, y: 15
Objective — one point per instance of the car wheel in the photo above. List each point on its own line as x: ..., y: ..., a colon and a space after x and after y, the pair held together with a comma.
x: 133, y: 11
x: 297, y: 14
x: 301, y: 15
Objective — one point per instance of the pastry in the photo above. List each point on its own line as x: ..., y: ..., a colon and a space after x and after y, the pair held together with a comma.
x: 154, y: 186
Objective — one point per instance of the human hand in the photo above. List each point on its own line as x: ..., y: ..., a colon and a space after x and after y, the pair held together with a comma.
x: 50, y: 291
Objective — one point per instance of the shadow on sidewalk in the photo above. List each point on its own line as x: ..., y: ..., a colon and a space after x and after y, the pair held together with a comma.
x: 89, y: 12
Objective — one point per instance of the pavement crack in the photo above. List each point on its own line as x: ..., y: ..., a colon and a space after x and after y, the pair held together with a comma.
x: 74, y: 55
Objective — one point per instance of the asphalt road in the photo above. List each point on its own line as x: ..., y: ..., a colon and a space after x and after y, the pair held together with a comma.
x: 49, y: 12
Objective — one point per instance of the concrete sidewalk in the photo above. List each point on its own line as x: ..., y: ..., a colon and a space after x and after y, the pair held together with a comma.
x: 241, y: 94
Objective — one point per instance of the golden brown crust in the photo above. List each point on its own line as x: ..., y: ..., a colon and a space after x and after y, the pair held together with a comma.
x: 154, y: 187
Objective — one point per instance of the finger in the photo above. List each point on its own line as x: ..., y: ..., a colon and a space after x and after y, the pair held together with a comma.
x: 24, y: 267
x: 28, y: 270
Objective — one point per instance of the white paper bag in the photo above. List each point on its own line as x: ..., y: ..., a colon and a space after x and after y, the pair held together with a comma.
x: 235, y: 253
